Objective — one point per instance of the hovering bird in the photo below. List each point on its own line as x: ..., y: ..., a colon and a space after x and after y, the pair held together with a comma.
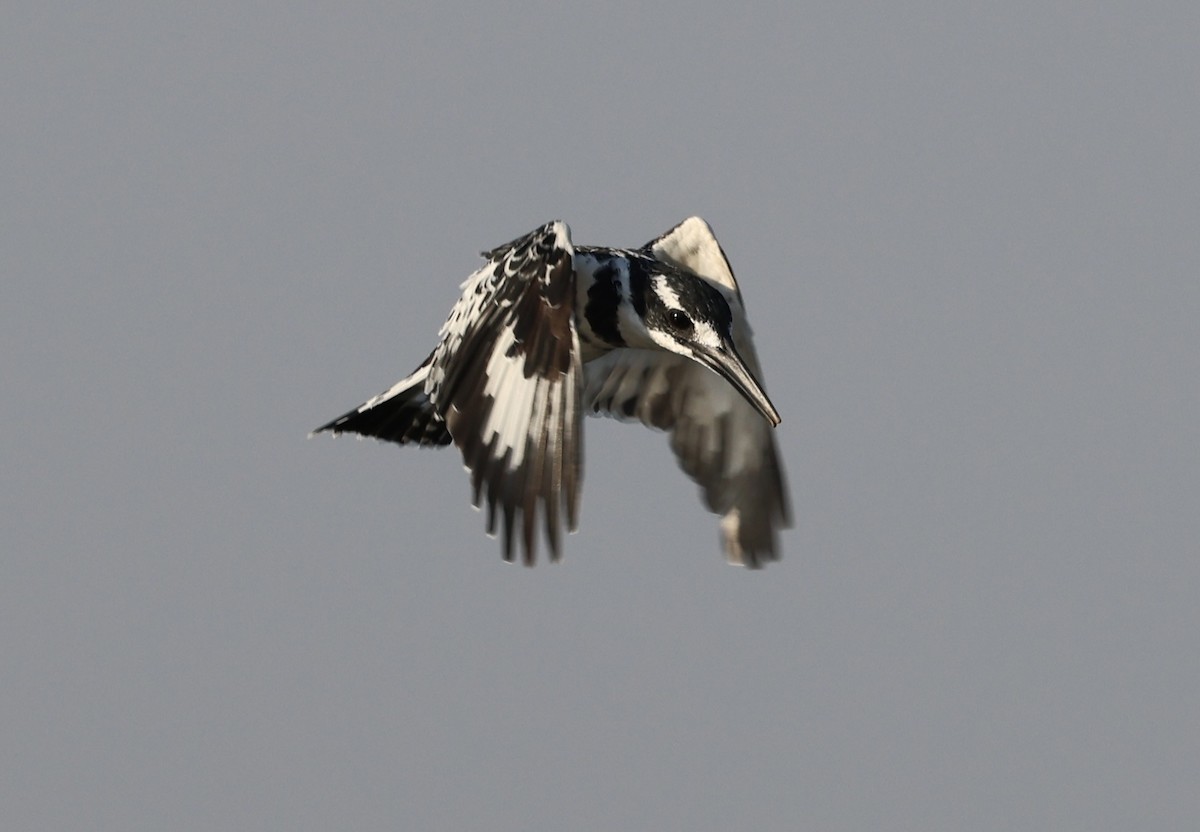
x: 547, y: 331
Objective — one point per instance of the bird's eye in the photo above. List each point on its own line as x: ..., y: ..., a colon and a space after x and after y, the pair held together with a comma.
x: 679, y: 319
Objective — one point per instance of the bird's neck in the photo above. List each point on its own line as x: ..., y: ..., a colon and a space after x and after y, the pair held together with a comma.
x: 606, y: 288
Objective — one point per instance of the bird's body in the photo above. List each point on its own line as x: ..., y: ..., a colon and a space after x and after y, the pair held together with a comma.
x: 546, y: 332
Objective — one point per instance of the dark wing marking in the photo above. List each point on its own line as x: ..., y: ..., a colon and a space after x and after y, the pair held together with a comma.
x: 720, y: 440
x: 403, y: 413
x: 507, y: 378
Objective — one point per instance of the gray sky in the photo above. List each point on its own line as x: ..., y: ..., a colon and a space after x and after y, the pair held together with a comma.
x: 967, y: 236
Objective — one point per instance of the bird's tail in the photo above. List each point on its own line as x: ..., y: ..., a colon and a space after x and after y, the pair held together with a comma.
x: 403, y: 413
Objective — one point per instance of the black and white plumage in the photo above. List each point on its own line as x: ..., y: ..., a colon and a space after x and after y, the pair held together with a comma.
x: 545, y: 332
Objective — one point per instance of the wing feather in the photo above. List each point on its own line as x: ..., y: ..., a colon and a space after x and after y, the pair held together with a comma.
x: 507, y: 378
x: 720, y: 441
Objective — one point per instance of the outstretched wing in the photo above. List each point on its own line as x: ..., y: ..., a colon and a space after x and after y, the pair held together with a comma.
x: 720, y: 440
x: 506, y: 378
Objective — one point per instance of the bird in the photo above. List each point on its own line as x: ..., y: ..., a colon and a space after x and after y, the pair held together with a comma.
x: 546, y: 332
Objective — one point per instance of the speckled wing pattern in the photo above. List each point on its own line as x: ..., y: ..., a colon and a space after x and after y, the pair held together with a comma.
x: 720, y: 440
x: 506, y: 378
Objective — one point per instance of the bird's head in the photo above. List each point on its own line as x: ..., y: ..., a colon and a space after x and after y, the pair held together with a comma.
x: 683, y: 314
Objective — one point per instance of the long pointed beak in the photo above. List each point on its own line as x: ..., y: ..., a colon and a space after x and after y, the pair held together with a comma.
x: 726, y: 362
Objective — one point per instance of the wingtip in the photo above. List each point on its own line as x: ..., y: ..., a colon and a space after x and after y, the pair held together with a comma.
x: 755, y: 556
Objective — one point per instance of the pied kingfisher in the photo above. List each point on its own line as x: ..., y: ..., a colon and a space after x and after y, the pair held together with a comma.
x: 546, y: 331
